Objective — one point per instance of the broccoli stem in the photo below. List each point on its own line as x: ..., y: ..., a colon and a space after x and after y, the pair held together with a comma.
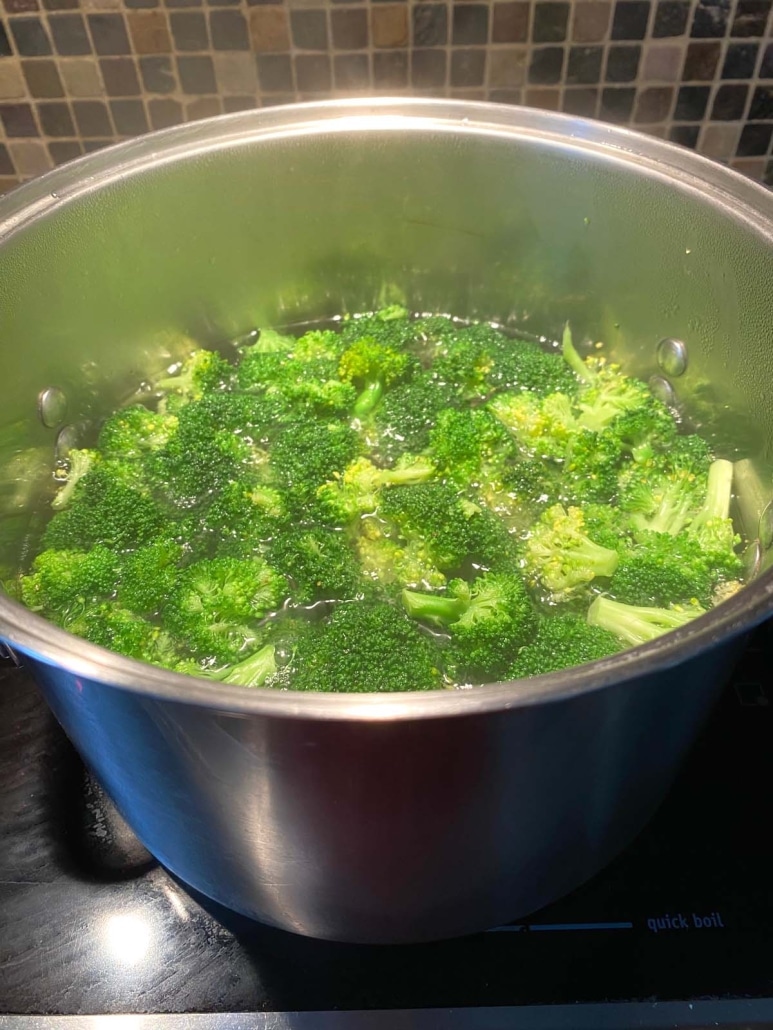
x: 434, y: 608
x: 253, y: 671
x: 368, y: 398
x: 573, y: 359
x: 80, y: 463
x: 718, y: 492
x: 634, y: 624
x: 418, y: 472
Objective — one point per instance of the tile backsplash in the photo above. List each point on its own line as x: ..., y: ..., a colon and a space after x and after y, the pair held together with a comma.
x: 77, y: 75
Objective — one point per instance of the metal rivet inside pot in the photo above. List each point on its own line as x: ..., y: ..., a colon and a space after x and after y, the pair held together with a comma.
x: 672, y: 357
x: 663, y: 390
x: 66, y: 439
x: 52, y: 406
x: 766, y: 526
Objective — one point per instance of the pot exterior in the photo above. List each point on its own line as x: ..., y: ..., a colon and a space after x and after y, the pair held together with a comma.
x: 387, y: 832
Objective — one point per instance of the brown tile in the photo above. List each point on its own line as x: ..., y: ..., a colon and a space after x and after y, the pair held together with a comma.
x: 236, y: 74
x: 510, y: 22
x: 662, y: 63
x: 101, y: 5
x: 546, y: 99
x: 351, y: 72
x: 507, y: 67
x: 60, y: 5
x: 20, y: 6
x: 238, y: 103
x: 659, y: 131
x: 203, y: 107
x: 591, y: 21
x: 18, y: 120
x: 654, y: 104
x: 42, y: 78
x: 164, y: 113
x: 389, y: 25
x: 120, y: 76
x: 149, y: 31
x: 11, y: 81
x: 7, y: 184
x: 81, y: 78
x: 30, y: 157
x: 6, y: 164
x: 269, y: 29
x: 719, y: 141
x: 349, y: 28
x: 700, y: 63
x: 753, y: 167
x: 468, y: 94
x: 312, y: 73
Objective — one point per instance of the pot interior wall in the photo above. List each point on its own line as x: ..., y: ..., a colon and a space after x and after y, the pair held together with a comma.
x: 95, y: 293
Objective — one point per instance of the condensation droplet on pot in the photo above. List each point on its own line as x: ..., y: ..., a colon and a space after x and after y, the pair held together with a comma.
x: 66, y: 439
x: 766, y: 526
x: 52, y: 406
x: 672, y: 357
x: 663, y: 390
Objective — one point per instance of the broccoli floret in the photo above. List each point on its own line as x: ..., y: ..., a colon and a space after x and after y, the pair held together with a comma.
x: 372, y: 368
x: 388, y: 560
x: 525, y: 366
x: 663, y: 570
x: 659, y: 498
x: 634, y: 624
x: 201, y: 371
x: 356, y: 490
x: 216, y: 602
x: 238, y: 521
x: 389, y: 327
x: 404, y: 419
x: 254, y: 671
x: 309, y: 453
x: 319, y: 343
x: 61, y: 583
x: 270, y: 341
x: 470, y: 445
x: 544, y: 428
x: 437, y: 515
x: 605, y: 393
x: 606, y: 525
x: 561, y: 557
x: 488, y: 620
x: 591, y: 468
x: 367, y: 647
x: 711, y: 525
x: 646, y: 431
x: 79, y: 463
x: 561, y: 642
x: 118, y: 629
x: 131, y: 433
x: 319, y: 563
x: 148, y: 576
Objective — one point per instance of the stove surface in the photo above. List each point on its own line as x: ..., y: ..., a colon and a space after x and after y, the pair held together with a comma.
x: 678, y: 931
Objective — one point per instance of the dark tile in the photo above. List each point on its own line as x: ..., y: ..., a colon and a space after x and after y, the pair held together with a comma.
x: 158, y: 74
x: 653, y: 104
x: 196, y: 74
x: 470, y: 24
x: 129, y: 117
x: 546, y: 65
x: 262, y: 3
x: 468, y: 67
x: 510, y: 22
x: 229, y: 30
x: 30, y: 37
x: 20, y: 6
x: 91, y: 146
x: 189, y: 30
x: 92, y: 118
x: 203, y: 107
x: 430, y: 24
x: 729, y: 103
x: 164, y: 113
x: 275, y: 73
x: 223, y: 3
x: 64, y: 150
x: 617, y: 105
x: 762, y: 104
x: 55, y: 119
x: 149, y: 31
x: 275, y: 99
x: 312, y: 73
x: 60, y: 5
x: 5, y: 43
x: 506, y: 96
x: 710, y: 18
x: 687, y: 135
x: 390, y: 69
x: 755, y: 140
x: 241, y: 103
x: 550, y: 23
x: 581, y: 102
x: 42, y: 78
x: 139, y: 4
x: 671, y: 18
x: 768, y: 176
x: 6, y: 164
x: 630, y: 20
x: 69, y: 34
x: 584, y: 65
x: 309, y: 29
x: 120, y: 77
x: 700, y: 63
x: 108, y: 32
x: 740, y: 61
x: 18, y: 120
x: 428, y: 68
x: 349, y: 29
x: 183, y: 3
x: 766, y: 69
x: 751, y: 18
x: 622, y: 63
x: 691, y: 103
x: 351, y: 71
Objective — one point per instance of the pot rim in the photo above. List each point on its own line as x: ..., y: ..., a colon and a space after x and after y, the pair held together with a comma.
x: 737, y: 196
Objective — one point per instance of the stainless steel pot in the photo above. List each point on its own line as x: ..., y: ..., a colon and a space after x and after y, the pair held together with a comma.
x: 386, y: 818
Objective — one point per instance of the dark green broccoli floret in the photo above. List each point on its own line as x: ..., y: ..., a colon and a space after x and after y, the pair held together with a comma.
x: 131, y: 433
x: 239, y: 520
x: 367, y: 647
x: 318, y: 562
x: 437, y: 515
x: 356, y: 490
x: 561, y: 642
x: 523, y: 365
x: 591, y: 468
x: 62, y: 583
x: 389, y: 327
x: 646, y: 431
x: 634, y: 624
x: 307, y: 454
x: 470, y: 446
x: 120, y: 630
x: 372, y: 368
x: 488, y: 620
x: 404, y: 419
x: 200, y: 372
x: 561, y: 557
x: 148, y: 576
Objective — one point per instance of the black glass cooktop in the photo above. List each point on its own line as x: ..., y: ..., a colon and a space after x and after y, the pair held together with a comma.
x: 677, y: 932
